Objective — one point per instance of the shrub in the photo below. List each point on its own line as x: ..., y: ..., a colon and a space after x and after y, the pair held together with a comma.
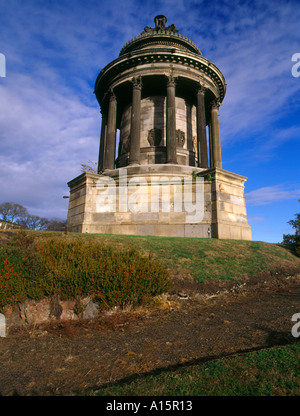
x: 22, y: 268
x: 7, y: 275
x: 292, y: 243
x: 69, y: 267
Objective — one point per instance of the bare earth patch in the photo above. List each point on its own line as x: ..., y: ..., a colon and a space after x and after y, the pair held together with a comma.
x: 190, y: 324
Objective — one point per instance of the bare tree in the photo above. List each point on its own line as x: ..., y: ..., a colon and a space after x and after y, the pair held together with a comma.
x: 34, y: 222
x: 92, y: 167
x: 56, y: 224
x: 11, y: 211
x: 17, y: 214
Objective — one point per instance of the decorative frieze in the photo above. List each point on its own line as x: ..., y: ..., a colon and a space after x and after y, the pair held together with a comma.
x: 144, y: 57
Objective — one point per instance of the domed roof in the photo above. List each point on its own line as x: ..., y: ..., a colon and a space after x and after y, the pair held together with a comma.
x: 160, y: 36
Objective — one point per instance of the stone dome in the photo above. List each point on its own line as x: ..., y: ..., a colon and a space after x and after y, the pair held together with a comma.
x: 160, y: 36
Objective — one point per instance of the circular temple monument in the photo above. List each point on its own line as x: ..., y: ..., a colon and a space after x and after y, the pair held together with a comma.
x: 160, y: 165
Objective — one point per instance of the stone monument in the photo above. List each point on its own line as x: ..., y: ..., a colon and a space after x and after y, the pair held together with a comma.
x: 160, y: 165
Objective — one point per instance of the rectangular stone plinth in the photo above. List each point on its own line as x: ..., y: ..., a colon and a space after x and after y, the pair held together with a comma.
x: 229, y: 216
x: 153, y: 201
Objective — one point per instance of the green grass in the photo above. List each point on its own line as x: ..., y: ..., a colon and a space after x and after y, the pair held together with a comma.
x: 203, y: 258
x: 268, y: 372
x: 199, y: 258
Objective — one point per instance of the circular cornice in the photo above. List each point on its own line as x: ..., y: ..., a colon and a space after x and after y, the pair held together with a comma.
x: 138, y: 59
x: 163, y: 36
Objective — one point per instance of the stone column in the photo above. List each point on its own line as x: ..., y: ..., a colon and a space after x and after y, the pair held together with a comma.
x: 110, y: 145
x: 201, y: 129
x: 135, y: 140
x: 171, y: 122
x: 215, y: 131
x: 210, y: 146
x: 102, y: 140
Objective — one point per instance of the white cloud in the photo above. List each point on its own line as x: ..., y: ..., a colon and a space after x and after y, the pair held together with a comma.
x: 46, y: 134
x: 256, y: 219
x: 270, y: 194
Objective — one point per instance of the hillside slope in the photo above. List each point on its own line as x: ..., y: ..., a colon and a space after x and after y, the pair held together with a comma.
x: 202, y: 258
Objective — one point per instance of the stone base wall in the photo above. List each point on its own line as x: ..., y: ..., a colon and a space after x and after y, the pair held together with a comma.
x: 229, y: 214
x: 33, y: 312
x: 108, y: 203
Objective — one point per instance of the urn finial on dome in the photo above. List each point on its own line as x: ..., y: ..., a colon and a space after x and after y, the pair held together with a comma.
x: 160, y: 21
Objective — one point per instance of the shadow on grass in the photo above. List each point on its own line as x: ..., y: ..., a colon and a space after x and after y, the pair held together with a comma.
x: 273, y: 339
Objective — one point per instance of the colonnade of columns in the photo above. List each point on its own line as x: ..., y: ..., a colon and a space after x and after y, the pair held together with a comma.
x: 108, y: 129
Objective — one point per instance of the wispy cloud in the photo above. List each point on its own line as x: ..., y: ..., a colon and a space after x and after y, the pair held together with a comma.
x: 46, y: 133
x: 270, y: 194
x: 252, y: 220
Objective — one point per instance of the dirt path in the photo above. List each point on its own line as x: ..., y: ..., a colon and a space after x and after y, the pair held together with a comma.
x: 65, y: 358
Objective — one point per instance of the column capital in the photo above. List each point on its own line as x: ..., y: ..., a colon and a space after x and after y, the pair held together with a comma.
x: 215, y: 104
x: 171, y: 81
x: 201, y: 89
x: 137, y: 82
x: 111, y: 94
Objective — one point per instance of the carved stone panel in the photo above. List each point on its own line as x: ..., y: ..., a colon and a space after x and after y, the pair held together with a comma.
x: 180, y: 138
x: 155, y: 137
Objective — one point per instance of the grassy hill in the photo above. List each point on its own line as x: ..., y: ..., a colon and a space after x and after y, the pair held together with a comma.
x: 202, y: 258
x: 199, y: 258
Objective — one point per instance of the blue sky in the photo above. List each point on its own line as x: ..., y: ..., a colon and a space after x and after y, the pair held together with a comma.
x: 50, y: 120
